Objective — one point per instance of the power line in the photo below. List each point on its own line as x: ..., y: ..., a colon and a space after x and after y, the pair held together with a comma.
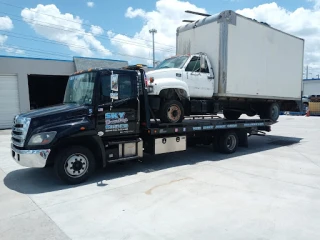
x: 37, y: 51
x: 95, y: 50
x: 65, y: 55
x: 27, y: 37
x: 32, y: 38
x: 12, y: 5
x: 81, y: 32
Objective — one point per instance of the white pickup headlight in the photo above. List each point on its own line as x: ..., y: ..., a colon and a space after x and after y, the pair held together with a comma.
x: 42, y: 138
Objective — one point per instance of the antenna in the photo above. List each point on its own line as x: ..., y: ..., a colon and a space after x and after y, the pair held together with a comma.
x: 198, y: 13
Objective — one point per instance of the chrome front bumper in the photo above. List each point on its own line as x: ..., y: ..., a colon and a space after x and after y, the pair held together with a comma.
x: 30, y: 158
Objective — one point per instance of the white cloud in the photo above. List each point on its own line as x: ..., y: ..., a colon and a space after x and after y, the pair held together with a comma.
x: 5, y: 23
x: 48, y: 21
x: 90, y: 4
x: 96, y: 30
x: 11, y: 50
x: 302, y: 22
x: 316, y: 3
x: 3, y: 39
x: 167, y: 16
x: 134, y: 13
x: 14, y: 50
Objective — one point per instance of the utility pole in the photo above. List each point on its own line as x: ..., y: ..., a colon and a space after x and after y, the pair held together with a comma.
x: 153, y: 31
x: 307, y: 72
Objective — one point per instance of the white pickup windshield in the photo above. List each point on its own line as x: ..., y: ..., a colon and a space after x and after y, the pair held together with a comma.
x: 174, y: 62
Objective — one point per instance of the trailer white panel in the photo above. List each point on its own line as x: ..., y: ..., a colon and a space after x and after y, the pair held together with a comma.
x: 262, y: 61
x: 250, y: 59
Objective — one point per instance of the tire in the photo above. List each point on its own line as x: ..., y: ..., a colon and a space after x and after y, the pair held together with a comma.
x: 80, y: 155
x: 251, y: 114
x: 172, y: 111
x: 272, y: 112
x: 231, y: 115
x: 228, y: 142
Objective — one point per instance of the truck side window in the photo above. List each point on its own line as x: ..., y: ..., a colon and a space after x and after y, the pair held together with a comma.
x: 193, y: 65
x: 125, y: 86
x: 206, y: 69
x: 105, y: 88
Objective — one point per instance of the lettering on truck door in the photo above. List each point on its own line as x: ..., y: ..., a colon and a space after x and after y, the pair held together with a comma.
x: 117, y: 112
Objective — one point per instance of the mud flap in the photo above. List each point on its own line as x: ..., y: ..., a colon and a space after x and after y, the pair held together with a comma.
x: 243, y: 138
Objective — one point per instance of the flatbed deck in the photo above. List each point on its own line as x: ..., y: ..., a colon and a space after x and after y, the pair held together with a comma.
x: 191, y: 125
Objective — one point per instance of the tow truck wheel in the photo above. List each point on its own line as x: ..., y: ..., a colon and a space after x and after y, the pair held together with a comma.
x: 74, y: 165
x: 228, y: 142
x: 172, y: 112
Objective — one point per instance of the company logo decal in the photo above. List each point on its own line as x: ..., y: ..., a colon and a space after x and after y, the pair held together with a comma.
x: 116, y: 121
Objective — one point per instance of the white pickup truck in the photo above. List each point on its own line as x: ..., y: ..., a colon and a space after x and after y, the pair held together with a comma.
x: 228, y: 63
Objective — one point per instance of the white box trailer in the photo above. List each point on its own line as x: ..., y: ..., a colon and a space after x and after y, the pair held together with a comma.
x: 249, y: 59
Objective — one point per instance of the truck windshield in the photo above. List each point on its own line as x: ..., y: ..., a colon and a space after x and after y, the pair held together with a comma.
x: 175, y: 62
x: 79, y: 89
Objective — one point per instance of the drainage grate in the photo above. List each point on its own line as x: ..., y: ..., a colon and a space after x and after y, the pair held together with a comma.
x: 284, y: 142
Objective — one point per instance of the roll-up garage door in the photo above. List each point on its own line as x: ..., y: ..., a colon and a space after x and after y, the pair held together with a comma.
x: 9, y: 100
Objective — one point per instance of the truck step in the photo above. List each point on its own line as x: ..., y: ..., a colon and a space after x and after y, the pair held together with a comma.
x: 124, y: 159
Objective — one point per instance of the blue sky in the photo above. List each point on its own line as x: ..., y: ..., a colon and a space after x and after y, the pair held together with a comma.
x: 128, y: 32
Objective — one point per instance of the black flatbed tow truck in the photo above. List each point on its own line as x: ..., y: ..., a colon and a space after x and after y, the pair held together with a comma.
x: 106, y: 117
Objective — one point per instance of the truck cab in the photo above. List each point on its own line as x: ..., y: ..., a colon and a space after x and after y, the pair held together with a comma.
x: 180, y: 79
x: 190, y: 73
x: 99, y: 106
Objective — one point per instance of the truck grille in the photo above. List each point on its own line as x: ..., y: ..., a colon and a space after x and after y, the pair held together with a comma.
x: 20, y: 130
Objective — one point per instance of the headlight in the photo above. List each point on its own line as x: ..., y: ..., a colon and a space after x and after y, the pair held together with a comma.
x: 42, y: 138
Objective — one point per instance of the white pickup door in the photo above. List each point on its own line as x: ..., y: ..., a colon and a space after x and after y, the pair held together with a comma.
x: 199, y: 81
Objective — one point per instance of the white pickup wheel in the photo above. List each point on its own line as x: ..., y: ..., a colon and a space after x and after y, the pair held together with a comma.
x: 171, y: 112
x: 272, y: 112
x: 74, y: 165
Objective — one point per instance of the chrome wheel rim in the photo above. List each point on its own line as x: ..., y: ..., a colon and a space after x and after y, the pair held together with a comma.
x: 76, y: 165
x: 231, y: 142
x: 174, y: 113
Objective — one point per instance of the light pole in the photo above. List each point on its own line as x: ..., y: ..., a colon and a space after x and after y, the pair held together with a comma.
x: 153, y: 31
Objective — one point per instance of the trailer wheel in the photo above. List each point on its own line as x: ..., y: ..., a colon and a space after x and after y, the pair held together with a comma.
x: 271, y: 112
x: 171, y: 112
x: 231, y: 115
x: 74, y: 165
x: 228, y: 142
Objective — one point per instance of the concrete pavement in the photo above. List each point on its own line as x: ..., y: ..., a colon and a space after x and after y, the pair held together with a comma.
x: 270, y: 190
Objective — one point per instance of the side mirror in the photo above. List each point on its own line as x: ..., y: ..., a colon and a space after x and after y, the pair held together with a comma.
x: 114, y: 86
x: 203, y: 63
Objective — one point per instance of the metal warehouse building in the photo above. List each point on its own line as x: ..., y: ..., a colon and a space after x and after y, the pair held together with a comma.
x: 311, y: 86
x: 30, y: 83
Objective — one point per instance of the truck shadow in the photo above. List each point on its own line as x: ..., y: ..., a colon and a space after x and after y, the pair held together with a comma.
x: 37, y: 181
